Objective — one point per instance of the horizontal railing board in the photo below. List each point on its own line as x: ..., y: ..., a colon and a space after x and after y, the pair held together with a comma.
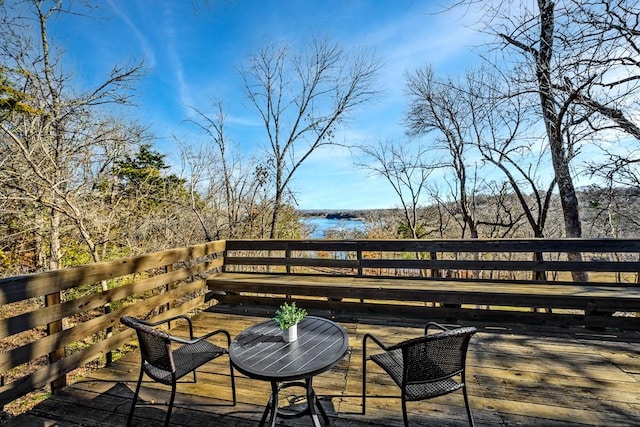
x: 16, y: 357
x: 453, y: 245
x: 19, y: 288
x: 293, y: 262
x: 444, y: 291
x: 43, y: 376
x: 42, y: 316
x: 594, y: 266
x: 411, y: 314
x: 336, y: 290
x: 321, y: 274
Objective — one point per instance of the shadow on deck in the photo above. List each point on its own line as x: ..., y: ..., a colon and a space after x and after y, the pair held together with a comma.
x: 516, y: 376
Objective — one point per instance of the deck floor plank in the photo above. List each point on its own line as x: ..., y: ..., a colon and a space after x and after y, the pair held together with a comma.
x: 516, y: 376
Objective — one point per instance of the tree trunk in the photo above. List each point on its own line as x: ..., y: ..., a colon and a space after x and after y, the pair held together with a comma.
x: 552, y: 120
x: 277, y: 202
x: 274, y: 218
x: 55, y: 298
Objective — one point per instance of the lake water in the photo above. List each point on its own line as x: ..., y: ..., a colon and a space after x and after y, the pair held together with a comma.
x: 319, y: 226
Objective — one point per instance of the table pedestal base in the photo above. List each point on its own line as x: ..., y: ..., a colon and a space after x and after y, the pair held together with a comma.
x: 312, y: 402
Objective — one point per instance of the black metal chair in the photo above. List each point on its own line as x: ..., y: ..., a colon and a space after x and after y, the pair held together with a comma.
x: 167, y: 365
x: 425, y: 367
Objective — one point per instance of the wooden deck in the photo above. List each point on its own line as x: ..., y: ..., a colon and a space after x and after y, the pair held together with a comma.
x: 516, y: 376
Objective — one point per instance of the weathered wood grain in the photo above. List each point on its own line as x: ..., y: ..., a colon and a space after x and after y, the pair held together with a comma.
x: 164, y: 281
x: 458, y: 299
x: 516, y: 376
x: 42, y: 316
x: 36, y: 285
x: 435, y: 245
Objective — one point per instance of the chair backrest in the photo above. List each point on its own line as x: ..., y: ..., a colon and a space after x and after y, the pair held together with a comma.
x: 436, y: 356
x: 155, y: 345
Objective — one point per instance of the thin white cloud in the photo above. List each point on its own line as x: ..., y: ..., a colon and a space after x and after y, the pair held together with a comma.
x: 145, y: 46
x: 251, y: 120
x: 182, y: 87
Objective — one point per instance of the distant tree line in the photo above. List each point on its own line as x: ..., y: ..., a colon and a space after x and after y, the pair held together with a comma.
x: 605, y: 213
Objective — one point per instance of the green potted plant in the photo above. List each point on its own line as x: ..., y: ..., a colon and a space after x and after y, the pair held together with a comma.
x: 288, y: 316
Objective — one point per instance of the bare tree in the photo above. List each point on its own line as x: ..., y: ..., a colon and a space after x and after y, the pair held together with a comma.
x: 536, y: 43
x: 458, y: 117
x: 577, y: 60
x: 401, y: 164
x: 608, y: 61
x: 61, y: 136
x: 235, y: 184
x: 615, y: 29
x: 479, y: 111
x: 505, y: 140
x: 302, y: 98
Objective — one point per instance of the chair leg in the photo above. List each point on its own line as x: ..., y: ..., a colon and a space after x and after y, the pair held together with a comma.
x: 135, y: 398
x: 364, y: 384
x: 233, y: 383
x: 173, y: 396
x: 405, y: 418
x: 466, y: 403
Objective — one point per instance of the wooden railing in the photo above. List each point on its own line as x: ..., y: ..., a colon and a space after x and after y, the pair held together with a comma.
x: 580, y: 282
x: 40, y: 346
x: 610, y: 260
x: 43, y: 345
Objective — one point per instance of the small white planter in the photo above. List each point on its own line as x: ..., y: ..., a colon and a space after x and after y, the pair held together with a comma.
x: 290, y: 334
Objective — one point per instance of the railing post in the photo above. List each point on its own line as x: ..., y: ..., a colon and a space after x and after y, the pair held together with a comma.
x: 167, y: 288
x: 224, y: 264
x: 360, y: 270
x: 109, y: 331
x: 539, y: 275
x: 287, y: 256
x: 57, y: 354
x: 434, y: 271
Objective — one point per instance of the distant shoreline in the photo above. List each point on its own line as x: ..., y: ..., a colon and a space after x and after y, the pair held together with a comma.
x: 338, y: 213
x: 321, y: 226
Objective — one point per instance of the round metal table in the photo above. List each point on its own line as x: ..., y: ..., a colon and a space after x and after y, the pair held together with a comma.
x: 261, y: 353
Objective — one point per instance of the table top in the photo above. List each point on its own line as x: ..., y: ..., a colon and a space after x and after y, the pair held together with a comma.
x: 260, y: 351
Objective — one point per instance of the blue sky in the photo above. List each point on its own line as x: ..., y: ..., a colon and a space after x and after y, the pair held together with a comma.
x: 192, y: 54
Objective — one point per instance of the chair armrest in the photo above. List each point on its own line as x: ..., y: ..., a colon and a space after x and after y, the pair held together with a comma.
x: 434, y: 325
x: 170, y: 319
x: 203, y: 337
x: 404, y: 343
x: 160, y: 322
x: 375, y: 340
